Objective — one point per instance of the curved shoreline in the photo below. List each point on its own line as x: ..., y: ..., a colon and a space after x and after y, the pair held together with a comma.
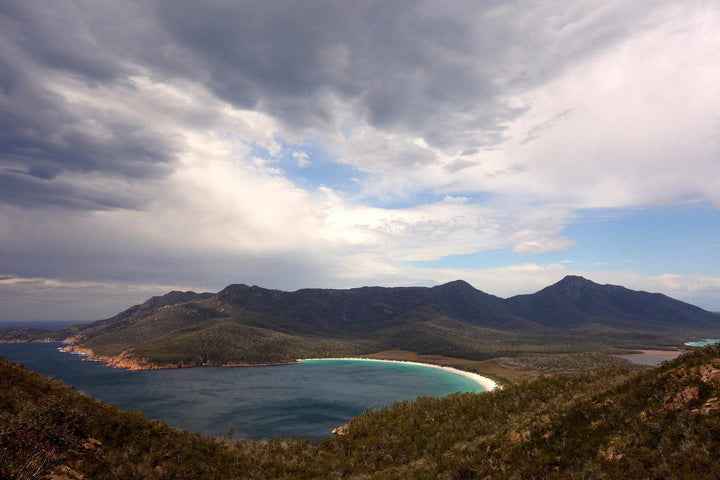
x: 128, y: 362
x: 488, y: 384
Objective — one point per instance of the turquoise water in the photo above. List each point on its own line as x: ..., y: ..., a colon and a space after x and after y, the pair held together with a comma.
x: 703, y: 343
x: 307, y: 399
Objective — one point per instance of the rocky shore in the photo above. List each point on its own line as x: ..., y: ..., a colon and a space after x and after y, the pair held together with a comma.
x: 128, y: 361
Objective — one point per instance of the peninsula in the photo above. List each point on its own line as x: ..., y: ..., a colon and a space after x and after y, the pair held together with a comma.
x: 572, y: 321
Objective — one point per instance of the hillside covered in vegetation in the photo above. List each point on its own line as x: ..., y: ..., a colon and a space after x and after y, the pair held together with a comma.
x: 609, y: 423
x: 252, y: 325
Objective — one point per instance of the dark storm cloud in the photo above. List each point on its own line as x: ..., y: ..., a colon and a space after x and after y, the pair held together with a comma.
x: 23, y: 190
x: 43, y: 134
x: 59, y: 36
x: 42, y: 131
x: 443, y: 71
x: 397, y: 65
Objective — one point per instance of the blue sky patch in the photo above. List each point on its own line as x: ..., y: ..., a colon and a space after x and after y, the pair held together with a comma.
x: 656, y: 240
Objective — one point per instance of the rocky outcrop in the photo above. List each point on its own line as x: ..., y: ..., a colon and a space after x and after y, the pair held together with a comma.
x: 709, y: 374
x: 128, y: 361
x: 681, y: 398
x: 125, y: 360
x: 343, y: 429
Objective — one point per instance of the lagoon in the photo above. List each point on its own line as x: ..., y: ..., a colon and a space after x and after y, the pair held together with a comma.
x: 306, y: 399
x: 703, y: 343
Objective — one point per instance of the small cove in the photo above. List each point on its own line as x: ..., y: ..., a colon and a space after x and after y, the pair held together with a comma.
x: 703, y: 343
x: 307, y: 399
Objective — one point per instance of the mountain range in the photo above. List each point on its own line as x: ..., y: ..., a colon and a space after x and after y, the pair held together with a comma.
x: 252, y: 325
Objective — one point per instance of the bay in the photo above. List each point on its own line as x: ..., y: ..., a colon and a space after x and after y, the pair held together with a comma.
x: 306, y: 399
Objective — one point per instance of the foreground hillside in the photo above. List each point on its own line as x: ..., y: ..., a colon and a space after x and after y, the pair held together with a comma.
x: 253, y: 325
x: 608, y: 423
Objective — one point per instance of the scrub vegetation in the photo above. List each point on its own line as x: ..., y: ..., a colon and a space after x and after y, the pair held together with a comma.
x: 609, y: 423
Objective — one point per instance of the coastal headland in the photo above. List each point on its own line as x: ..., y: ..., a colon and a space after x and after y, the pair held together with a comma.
x: 127, y: 361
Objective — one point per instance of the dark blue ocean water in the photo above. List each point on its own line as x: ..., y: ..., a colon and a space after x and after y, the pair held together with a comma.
x: 46, y: 325
x: 307, y: 399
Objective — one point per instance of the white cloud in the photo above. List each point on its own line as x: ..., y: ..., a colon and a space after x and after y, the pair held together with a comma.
x: 302, y: 159
x: 611, y: 105
x: 219, y: 202
x: 634, y: 125
x: 374, y: 151
x: 631, y: 125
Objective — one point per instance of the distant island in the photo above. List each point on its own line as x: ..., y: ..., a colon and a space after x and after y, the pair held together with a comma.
x: 453, y: 323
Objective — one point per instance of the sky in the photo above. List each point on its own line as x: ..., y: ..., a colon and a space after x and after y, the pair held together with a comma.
x: 149, y: 146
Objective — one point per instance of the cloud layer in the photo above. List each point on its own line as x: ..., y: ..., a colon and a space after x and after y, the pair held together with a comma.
x: 145, y: 141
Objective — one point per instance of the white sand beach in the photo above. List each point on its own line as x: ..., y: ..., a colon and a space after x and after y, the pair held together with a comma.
x: 485, y: 382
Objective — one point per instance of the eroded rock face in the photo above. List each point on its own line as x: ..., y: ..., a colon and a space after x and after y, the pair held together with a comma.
x: 125, y: 360
x: 709, y: 374
x: 682, y: 398
x: 342, y: 429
